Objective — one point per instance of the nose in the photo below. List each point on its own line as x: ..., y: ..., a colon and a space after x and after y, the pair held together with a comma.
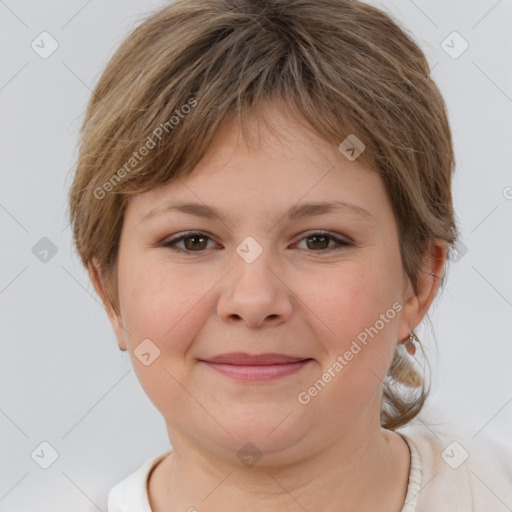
x: 255, y: 293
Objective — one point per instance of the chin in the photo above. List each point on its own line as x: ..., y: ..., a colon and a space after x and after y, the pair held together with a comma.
x: 269, y: 433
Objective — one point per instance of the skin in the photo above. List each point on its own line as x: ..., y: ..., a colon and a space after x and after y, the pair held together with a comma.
x: 296, y: 298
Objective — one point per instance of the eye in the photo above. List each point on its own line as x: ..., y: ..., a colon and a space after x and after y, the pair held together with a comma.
x: 320, y: 241
x: 317, y: 241
x: 194, y: 240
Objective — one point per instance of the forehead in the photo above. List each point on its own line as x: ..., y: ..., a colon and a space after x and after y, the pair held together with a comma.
x: 287, y: 166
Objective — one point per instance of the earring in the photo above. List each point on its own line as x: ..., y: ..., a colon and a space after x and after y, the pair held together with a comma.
x: 409, y: 344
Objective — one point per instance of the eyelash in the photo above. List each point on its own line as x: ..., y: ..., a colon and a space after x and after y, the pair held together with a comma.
x: 171, y: 244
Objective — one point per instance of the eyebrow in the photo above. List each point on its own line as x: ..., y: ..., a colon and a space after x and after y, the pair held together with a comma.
x: 295, y: 212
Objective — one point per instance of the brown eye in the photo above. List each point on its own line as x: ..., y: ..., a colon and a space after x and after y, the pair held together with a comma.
x: 319, y: 241
x: 198, y: 242
x: 193, y: 242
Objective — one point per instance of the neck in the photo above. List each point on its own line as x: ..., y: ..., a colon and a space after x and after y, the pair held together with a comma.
x: 354, y: 472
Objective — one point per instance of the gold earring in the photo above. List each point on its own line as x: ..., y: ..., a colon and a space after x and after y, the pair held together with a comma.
x: 409, y: 344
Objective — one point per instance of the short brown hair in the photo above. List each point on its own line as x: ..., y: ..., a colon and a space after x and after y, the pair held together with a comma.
x: 341, y: 66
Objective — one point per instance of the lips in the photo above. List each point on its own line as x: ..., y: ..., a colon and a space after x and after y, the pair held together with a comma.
x: 256, y: 367
x: 244, y: 359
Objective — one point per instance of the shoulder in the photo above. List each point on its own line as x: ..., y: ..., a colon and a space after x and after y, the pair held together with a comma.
x: 130, y: 494
x: 460, y: 473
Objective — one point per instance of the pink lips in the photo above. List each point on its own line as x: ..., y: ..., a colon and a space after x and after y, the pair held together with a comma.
x: 240, y: 365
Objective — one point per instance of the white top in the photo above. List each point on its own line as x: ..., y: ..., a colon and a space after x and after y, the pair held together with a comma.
x: 446, y: 475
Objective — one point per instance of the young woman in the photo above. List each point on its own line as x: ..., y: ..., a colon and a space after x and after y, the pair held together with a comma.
x: 263, y: 201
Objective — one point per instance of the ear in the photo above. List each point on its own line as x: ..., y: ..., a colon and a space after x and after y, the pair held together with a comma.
x: 96, y: 276
x: 416, y: 305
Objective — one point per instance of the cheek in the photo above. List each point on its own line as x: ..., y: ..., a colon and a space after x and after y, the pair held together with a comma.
x: 347, y: 300
x: 355, y: 320
x: 163, y: 304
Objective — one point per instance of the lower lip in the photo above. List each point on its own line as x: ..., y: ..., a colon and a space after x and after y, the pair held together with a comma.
x: 258, y: 373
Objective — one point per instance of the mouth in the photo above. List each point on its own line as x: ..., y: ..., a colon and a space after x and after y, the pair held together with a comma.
x: 256, y: 367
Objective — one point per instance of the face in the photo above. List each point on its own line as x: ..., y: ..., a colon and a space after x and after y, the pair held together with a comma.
x: 324, y: 289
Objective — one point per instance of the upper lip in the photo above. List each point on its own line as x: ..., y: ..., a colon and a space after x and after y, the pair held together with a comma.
x: 242, y: 358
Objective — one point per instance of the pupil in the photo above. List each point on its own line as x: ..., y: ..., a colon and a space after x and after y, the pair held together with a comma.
x: 192, y: 245
x: 322, y: 237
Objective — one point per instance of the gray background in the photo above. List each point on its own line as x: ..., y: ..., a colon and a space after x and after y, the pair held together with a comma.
x: 64, y: 380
